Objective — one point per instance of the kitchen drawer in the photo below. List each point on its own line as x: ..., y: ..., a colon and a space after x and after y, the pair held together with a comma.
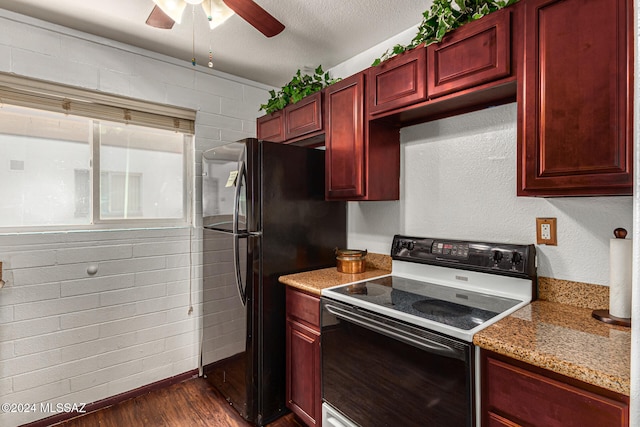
x: 303, y: 307
x: 516, y: 396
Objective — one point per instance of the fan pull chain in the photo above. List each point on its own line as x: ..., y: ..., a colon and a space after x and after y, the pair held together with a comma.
x: 193, y: 37
x: 210, y: 18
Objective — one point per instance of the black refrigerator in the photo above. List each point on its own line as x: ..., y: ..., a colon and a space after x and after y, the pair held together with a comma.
x: 264, y: 216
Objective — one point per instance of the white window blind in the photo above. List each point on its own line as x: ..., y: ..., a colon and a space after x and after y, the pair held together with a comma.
x: 25, y: 92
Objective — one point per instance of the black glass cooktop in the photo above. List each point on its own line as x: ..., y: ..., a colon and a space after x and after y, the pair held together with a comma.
x: 455, y: 307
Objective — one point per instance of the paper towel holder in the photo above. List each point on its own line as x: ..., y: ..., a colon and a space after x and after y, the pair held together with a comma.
x: 604, y: 315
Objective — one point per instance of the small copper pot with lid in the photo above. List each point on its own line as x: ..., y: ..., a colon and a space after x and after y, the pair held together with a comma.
x: 350, y: 261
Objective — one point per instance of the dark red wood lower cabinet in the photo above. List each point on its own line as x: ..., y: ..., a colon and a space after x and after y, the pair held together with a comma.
x: 516, y: 396
x: 303, y: 357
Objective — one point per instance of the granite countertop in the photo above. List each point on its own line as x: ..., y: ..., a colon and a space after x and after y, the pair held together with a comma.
x: 315, y: 281
x: 564, y: 339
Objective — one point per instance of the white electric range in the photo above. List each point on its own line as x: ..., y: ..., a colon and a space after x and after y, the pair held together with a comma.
x: 409, y: 334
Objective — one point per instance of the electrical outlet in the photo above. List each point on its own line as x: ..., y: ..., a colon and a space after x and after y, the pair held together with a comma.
x: 546, y: 231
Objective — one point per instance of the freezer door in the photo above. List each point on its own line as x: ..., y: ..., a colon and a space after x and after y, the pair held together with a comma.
x: 228, y: 358
x: 224, y: 188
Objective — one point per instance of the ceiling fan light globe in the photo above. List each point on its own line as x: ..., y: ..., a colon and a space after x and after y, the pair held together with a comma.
x: 193, y: 1
x: 173, y: 8
x: 217, y: 12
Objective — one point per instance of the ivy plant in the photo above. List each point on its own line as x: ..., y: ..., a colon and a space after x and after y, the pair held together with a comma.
x: 300, y: 86
x: 444, y: 16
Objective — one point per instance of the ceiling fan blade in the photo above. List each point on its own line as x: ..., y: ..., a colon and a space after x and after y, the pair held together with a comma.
x: 157, y: 18
x: 256, y: 16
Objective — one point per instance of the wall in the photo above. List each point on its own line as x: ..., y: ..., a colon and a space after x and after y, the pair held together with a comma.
x: 458, y: 180
x: 66, y: 336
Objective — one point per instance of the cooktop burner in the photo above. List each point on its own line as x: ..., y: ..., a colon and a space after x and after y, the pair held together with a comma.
x: 455, y: 307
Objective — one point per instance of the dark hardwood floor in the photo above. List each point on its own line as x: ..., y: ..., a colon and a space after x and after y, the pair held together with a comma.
x: 191, y: 403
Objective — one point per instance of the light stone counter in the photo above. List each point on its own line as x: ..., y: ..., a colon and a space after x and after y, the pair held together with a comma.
x: 315, y: 281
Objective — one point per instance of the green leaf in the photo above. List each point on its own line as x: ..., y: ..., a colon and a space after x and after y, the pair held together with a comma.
x: 299, y: 86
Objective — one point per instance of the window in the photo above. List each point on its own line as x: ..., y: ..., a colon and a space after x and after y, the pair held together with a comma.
x: 141, y: 172
x: 120, y: 195
x: 69, y: 170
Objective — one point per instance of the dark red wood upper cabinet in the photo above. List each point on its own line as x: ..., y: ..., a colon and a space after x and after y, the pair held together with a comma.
x: 344, y: 139
x: 476, y: 53
x: 397, y: 82
x: 362, y: 156
x: 303, y: 117
x: 576, y: 98
x: 271, y: 127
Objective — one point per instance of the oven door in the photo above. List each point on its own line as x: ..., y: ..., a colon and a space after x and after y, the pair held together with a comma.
x: 377, y: 371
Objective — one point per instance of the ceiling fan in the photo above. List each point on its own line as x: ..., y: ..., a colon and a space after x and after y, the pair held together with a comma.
x: 167, y: 12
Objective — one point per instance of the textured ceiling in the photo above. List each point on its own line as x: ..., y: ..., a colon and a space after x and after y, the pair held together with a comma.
x: 318, y: 32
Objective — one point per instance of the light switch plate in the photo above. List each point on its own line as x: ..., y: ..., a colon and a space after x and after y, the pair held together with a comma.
x: 546, y: 231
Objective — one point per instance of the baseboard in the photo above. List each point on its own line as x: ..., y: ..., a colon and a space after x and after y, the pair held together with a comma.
x: 114, y: 400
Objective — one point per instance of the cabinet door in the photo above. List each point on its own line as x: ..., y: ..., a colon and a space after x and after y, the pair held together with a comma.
x: 397, y: 82
x: 271, y: 127
x: 303, y: 117
x: 477, y: 53
x: 576, y: 98
x: 344, y: 139
x: 303, y: 356
x: 303, y: 369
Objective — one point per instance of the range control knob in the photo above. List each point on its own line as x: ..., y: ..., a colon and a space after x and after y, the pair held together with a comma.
x: 411, y: 245
x: 497, y: 256
x: 516, y: 257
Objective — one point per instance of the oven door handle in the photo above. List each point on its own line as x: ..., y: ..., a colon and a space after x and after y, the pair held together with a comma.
x: 399, y: 334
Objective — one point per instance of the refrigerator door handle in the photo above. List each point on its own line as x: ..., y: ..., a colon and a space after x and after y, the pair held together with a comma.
x: 236, y: 266
x: 236, y: 198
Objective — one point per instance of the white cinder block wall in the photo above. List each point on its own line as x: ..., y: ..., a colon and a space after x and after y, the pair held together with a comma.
x: 66, y: 336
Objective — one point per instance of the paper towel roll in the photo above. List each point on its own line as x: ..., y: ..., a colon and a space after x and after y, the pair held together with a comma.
x: 620, y: 254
